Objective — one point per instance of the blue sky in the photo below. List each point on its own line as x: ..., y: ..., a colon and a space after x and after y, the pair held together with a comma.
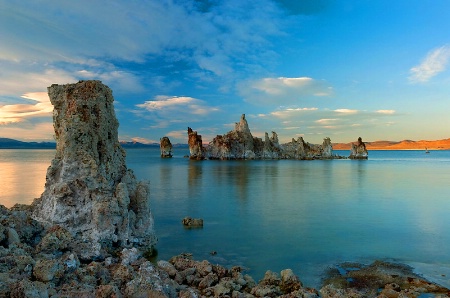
x: 311, y: 68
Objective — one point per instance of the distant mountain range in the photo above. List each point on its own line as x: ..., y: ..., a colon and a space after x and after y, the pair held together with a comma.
x: 402, y: 145
x: 6, y: 143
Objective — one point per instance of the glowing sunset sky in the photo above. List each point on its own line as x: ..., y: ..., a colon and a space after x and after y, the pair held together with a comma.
x: 312, y: 68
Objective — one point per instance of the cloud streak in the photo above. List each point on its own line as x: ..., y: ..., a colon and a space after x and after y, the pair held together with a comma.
x: 166, y: 110
x: 283, y: 90
x: 222, y: 39
x: 315, y: 123
x: 15, y: 113
x: 434, y: 63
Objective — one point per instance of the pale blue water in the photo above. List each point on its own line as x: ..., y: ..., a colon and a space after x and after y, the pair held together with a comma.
x: 303, y: 215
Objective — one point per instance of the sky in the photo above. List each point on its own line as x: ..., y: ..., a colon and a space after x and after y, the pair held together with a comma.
x: 302, y: 68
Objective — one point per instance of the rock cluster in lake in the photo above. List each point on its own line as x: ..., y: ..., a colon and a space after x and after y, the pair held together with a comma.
x: 358, y: 150
x: 241, y: 144
x: 165, y: 147
x: 89, y: 192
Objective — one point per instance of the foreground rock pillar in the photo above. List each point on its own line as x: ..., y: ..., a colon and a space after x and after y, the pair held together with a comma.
x: 89, y: 190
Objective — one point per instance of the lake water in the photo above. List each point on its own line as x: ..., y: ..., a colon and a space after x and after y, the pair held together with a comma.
x: 273, y: 215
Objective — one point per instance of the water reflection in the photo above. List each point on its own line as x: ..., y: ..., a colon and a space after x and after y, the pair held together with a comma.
x: 22, y: 175
x: 195, y: 171
x: 242, y: 179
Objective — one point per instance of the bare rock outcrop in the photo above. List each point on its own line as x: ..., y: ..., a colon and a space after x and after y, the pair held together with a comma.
x: 272, y: 149
x: 359, y: 150
x: 89, y: 191
x: 240, y: 144
x: 236, y: 144
x: 165, y: 147
x: 195, y: 143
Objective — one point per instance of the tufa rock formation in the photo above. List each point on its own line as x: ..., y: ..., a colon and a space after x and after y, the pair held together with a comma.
x: 240, y: 144
x: 165, y: 147
x: 89, y: 191
x: 236, y: 144
x: 359, y: 150
x: 195, y: 145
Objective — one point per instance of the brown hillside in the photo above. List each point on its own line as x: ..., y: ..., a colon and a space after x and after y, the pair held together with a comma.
x: 403, y: 145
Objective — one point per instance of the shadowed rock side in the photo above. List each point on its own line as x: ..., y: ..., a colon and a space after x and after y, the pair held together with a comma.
x: 89, y: 191
x: 165, y: 147
x: 359, y: 150
x: 195, y: 143
x: 240, y: 144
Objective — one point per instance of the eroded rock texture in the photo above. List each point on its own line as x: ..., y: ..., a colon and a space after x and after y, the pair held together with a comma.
x: 240, y: 144
x: 165, y: 147
x: 359, y: 150
x: 236, y: 144
x: 89, y: 191
x: 195, y: 143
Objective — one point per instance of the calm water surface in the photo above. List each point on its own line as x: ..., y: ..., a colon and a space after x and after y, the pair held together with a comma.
x: 303, y: 215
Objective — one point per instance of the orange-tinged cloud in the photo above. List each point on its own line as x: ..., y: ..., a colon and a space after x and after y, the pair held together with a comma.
x: 19, y: 112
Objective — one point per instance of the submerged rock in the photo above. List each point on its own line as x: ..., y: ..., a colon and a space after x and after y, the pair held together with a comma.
x: 359, y: 150
x: 165, y: 147
x: 379, y: 279
x: 89, y: 191
x: 192, y: 222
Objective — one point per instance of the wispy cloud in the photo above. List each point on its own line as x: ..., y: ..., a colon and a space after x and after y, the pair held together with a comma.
x: 188, y: 104
x: 283, y: 91
x: 178, y: 134
x: 434, y: 63
x: 346, y: 111
x: 326, y: 121
x: 166, y: 110
x: 28, y: 131
x: 314, y: 123
x: 20, y: 112
x: 291, y: 112
x: 387, y: 112
x: 230, y: 38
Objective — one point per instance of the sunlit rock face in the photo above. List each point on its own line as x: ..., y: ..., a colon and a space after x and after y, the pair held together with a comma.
x: 299, y: 149
x: 195, y: 143
x: 240, y: 144
x: 89, y: 190
x: 358, y: 150
x: 165, y: 147
x: 236, y: 144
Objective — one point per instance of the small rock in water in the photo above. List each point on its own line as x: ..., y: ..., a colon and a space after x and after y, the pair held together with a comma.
x: 192, y: 222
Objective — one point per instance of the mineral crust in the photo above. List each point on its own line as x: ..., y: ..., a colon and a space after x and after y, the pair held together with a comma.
x: 89, y: 191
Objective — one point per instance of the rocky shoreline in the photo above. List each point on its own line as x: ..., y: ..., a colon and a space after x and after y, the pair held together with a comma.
x: 91, y: 233
x: 45, y: 262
